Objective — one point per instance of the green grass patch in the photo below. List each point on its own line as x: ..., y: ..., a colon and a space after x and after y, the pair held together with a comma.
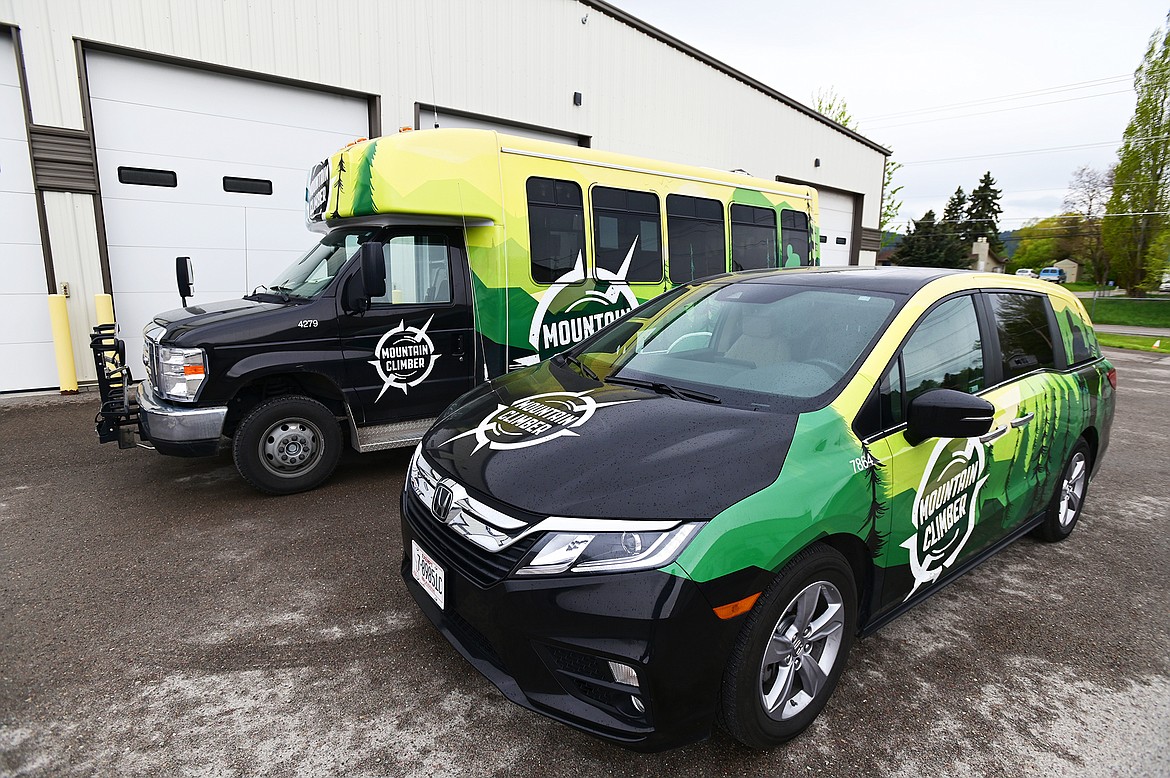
x: 1080, y: 286
x: 1134, y: 342
x: 1147, y: 312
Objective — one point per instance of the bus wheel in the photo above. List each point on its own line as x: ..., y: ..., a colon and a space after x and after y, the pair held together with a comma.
x: 288, y: 444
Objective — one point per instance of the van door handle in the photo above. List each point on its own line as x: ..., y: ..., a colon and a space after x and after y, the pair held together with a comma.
x: 460, y: 348
x: 1021, y: 421
x: 994, y: 435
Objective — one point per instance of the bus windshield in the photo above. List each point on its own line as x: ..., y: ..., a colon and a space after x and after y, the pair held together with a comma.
x: 308, y: 277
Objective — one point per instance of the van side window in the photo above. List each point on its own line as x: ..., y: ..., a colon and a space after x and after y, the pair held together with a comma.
x: 695, y: 235
x: 794, y: 235
x: 945, y: 351
x: 417, y: 271
x: 1025, y: 339
x: 753, y: 238
x: 556, y: 228
x: 627, y: 231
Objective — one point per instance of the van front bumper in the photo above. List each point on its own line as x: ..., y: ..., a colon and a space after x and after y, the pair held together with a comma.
x: 177, y: 430
x: 547, y: 642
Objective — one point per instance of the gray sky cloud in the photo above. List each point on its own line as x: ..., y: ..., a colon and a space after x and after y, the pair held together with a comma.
x: 1046, y: 86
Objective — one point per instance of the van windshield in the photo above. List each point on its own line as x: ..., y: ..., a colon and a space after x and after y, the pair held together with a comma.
x: 747, y: 343
x: 308, y: 277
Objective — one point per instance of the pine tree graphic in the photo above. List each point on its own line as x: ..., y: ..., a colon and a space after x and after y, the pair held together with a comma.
x: 340, y: 187
x: 875, y: 539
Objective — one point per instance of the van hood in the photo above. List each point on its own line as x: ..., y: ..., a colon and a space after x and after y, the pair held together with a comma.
x: 549, y: 441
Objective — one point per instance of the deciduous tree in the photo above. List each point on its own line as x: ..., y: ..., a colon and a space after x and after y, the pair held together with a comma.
x: 1136, y: 211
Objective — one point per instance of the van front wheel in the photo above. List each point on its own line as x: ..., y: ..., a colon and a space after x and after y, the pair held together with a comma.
x: 791, y: 650
x: 286, y: 445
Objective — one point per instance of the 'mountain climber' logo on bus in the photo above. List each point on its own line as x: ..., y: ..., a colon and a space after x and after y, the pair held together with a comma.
x: 574, y: 307
x: 945, y: 508
x: 404, y: 357
x: 533, y: 420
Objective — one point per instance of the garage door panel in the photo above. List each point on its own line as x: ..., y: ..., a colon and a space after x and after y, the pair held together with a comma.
x: 144, y: 223
x: 152, y: 130
x: 120, y: 79
x: 20, y: 224
x: 836, y: 224
x: 15, y: 172
x: 37, y: 367
x: 141, y: 270
x: 22, y: 270
x: 283, y: 230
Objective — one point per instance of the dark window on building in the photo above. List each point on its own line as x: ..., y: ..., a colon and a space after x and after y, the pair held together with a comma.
x: 824, y: 239
x: 794, y: 234
x: 945, y: 351
x: 556, y: 228
x: 627, y: 224
x: 1025, y: 338
x: 840, y: 241
x: 695, y: 235
x: 753, y: 238
x: 141, y: 176
x: 260, y: 186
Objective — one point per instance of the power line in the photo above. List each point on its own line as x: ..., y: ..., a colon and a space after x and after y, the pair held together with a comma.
x: 1004, y: 98
x: 994, y: 110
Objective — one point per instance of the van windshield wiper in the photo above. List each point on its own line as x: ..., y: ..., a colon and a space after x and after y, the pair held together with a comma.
x: 663, y: 388
x: 572, y: 360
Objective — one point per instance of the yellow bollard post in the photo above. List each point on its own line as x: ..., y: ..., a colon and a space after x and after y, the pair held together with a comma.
x: 104, y: 304
x: 63, y: 344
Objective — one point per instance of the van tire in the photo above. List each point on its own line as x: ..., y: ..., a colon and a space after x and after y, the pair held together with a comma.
x: 287, y: 444
x: 824, y: 579
x: 1064, y: 509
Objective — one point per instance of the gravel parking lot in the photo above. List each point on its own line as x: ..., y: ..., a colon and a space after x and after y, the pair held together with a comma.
x: 161, y: 618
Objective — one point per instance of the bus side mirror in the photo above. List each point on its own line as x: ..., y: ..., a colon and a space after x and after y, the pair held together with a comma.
x: 372, y: 257
x: 185, y: 276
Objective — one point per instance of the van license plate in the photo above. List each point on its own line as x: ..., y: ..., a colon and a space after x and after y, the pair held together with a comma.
x: 427, y: 572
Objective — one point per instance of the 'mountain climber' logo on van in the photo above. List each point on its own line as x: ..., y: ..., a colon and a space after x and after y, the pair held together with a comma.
x: 533, y: 420
x: 404, y: 357
x: 574, y: 307
x: 945, y: 508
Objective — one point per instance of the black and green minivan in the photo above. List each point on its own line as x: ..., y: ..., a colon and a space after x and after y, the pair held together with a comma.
x: 688, y: 518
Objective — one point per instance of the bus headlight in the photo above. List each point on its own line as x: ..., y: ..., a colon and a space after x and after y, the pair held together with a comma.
x: 181, y: 372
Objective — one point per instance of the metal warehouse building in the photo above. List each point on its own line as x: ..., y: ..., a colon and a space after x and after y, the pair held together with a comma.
x: 134, y: 131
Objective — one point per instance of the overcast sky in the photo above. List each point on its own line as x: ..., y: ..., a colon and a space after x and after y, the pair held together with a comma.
x: 1068, y: 67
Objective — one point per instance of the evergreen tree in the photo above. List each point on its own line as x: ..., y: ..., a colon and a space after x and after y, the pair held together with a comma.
x: 929, y: 244
x: 1136, y: 211
x: 954, y: 219
x: 983, y: 212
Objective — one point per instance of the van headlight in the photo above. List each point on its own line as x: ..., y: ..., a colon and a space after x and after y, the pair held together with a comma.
x: 180, y: 372
x: 607, y: 552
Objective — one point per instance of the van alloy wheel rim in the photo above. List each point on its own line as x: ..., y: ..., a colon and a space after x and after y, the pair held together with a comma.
x: 802, y: 650
x: 290, y: 447
x: 1072, y: 489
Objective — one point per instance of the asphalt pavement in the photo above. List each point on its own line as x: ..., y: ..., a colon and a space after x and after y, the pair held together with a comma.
x: 160, y: 618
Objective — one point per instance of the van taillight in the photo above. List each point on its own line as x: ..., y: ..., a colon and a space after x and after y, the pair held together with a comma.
x: 1112, y: 376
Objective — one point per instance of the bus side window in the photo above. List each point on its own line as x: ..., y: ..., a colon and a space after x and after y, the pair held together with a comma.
x: 794, y: 236
x: 753, y: 238
x: 627, y: 231
x: 556, y: 228
x: 695, y: 238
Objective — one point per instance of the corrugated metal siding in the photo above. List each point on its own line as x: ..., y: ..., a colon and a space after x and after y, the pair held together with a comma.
x: 516, y: 59
x: 62, y: 159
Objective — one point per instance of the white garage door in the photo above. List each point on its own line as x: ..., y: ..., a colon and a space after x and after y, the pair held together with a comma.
x: 26, y: 338
x: 204, y: 165
x: 836, y: 228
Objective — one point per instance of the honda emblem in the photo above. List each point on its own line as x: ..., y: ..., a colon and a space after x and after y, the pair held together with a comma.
x: 441, y: 502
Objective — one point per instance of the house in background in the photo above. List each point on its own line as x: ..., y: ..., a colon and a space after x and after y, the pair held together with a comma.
x: 983, y: 259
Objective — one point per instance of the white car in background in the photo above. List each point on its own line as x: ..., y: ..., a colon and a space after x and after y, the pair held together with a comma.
x: 1027, y: 272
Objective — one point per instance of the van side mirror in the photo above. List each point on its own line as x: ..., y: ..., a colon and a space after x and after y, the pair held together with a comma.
x: 185, y: 277
x: 945, y: 413
x: 372, y: 258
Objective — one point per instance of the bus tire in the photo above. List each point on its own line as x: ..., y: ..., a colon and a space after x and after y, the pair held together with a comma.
x: 287, y: 444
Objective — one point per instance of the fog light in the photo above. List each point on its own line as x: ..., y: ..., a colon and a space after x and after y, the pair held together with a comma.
x: 638, y: 706
x: 623, y: 673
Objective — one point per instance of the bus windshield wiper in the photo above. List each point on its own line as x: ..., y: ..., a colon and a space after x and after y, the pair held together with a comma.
x: 664, y: 388
x: 279, y: 290
x: 580, y: 365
